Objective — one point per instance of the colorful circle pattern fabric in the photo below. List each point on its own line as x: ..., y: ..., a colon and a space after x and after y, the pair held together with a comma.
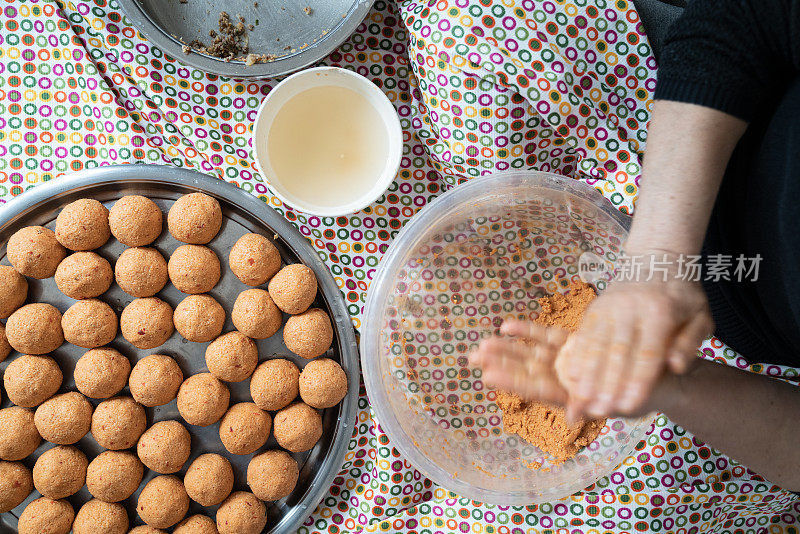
x: 480, y: 86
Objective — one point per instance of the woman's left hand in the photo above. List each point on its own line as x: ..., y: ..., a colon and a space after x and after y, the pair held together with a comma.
x: 524, y: 365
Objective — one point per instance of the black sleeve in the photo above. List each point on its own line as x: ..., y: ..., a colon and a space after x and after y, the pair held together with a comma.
x: 731, y: 55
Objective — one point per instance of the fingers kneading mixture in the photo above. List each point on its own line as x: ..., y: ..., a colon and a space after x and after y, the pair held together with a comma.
x: 545, y: 425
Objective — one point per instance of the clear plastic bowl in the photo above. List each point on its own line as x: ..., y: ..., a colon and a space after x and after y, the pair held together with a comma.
x: 480, y: 254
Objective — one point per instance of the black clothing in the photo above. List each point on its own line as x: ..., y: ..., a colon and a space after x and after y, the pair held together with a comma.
x: 757, y: 212
x: 657, y: 16
x: 742, y: 57
x: 737, y: 56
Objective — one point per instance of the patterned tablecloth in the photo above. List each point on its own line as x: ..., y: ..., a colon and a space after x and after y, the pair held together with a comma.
x: 480, y: 85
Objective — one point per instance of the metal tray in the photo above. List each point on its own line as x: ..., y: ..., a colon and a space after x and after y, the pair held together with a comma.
x: 242, y: 213
x: 281, y: 29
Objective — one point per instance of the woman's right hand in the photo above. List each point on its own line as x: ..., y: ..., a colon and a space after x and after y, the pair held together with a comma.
x: 629, y: 336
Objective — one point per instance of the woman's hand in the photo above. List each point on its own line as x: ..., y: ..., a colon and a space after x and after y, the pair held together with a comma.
x: 524, y: 365
x: 629, y: 336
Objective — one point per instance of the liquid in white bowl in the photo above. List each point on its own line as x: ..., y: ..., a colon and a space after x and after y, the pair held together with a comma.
x: 328, y: 146
x: 328, y: 141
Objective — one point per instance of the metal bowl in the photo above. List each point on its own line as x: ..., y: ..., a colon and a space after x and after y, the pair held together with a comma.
x: 282, y: 29
x: 242, y: 213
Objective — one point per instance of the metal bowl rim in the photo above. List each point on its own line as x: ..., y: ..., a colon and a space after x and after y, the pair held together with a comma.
x: 237, y: 69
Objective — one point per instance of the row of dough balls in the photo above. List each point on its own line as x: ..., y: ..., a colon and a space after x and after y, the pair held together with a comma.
x: 31, y: 379
x: 241, y: 513
x: 147, y: 323
x: 164, y: 501
x: 202, y: 399
x: 119, y: 423
x: 141, y: 271
x: 136, y: 222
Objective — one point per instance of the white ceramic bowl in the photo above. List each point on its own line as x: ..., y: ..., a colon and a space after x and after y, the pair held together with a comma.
x: 326, y: 76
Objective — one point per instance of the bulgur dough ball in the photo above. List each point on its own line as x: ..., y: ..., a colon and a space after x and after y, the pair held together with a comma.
x: 297, y: 427
x: 255, y: 315
x: 141, y: 271
x: 83, y: 225
x: 35, y: 329
x: 100, y: 517
x: 323, y: 383
x: 272, y: 475
x: 5, y: 348
x: 241, y: 513
x: 64, y: 419
x: 203, y: 399
x: 309, y: 334
x: 18, y: 434
x: 199, y: 318
x: 135, y: 220
x: 13, y: 290
x: 84, y: 275
x: 195, y: 218
x: 101, y: 373
x: 232, y: 357
x: 60, y: 472
x: 194, y: 269
x: 31, y: 380
x: 34, y: 251
x: 89, y: 323
x: 118, y: 423
x: 163, y: 502
x: 155, y: 380
x: 209, y: 479
x: 254, y: 259
x: 294, y: 288
x: 146, y: 529
x: 147, y: 323
x: 244, y: 428
x: 114, y: 476
x: 275, y: 384
x: 165, y: 447
x: 46, y: 516
x: 16, y: 483
x: 197, y: 524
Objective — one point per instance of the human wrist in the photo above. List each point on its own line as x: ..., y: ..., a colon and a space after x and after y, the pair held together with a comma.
x: 634, y: 248
x: 648, y: 239
x: 666, y: 395
x: 673, y: 392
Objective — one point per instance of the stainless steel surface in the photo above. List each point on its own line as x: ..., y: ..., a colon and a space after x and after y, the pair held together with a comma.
x: 243, y: 213
x: 281, y: 29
